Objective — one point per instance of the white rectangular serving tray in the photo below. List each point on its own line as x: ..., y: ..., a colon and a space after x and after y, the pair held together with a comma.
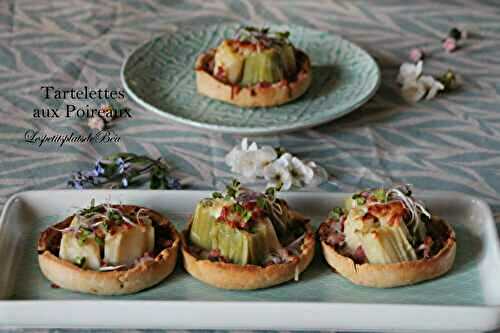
x: 466, y: 299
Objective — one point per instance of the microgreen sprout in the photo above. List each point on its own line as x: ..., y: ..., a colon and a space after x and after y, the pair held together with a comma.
x: 336, y: 213
x: 80, y: 261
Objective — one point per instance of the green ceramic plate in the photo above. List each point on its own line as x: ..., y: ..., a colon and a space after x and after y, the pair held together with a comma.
x: 159, y: 76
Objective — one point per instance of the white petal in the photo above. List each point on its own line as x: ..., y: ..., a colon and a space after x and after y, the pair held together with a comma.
x: 284, y: 160
x: 247, y: 165
x: 409, y: 72
x: 286, y: 179
x: 304, y: 172
x: 244, y: 144
x: 434, y: 90
x: 320, y: 174
x: 233, y: 156
x: 418, y: 68
x: 432, y: 85
x: 264, y: 157
x: 413, y: 91
x: 426, y: 80
x: 269, y: 171
x: 253, y: 147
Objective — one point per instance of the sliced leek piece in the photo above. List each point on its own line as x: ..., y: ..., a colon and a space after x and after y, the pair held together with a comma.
x: 128, y: 243
x: 287, y: 54
x: 265, y: 66
x: 73, y: 249
x: 239, y: 246
x: 230, y: 61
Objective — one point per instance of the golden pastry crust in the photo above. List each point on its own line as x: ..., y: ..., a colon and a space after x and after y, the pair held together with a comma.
x: 394, y: 275
x: 247, y: 277
x: 143, y: 275
x: 260, y: 95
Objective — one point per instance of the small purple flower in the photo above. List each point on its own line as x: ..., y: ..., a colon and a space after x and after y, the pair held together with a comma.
x: 122, y: 165
x: 99, y: 170
x: 416, y: 54
x: 124, y: 182
x: 77, y: 185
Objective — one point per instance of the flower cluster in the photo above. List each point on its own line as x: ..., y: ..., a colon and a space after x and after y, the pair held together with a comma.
x: 414, y: 85
x: 122, y: 169
x: 450, y: 44
x: 276, y: 166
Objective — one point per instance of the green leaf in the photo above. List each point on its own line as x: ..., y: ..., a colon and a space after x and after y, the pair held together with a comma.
x: 283, y: 35
x: 379, y: 194
x: 83, y: 235
x: 217, y: 195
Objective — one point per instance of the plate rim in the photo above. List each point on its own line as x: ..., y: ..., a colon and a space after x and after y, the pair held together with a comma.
x: 247, y: 130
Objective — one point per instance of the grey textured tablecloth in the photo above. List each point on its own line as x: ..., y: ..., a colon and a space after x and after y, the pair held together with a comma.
x: 451, y: 143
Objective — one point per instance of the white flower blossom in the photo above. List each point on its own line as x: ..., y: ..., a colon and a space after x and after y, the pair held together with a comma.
x: 278, y: 172
x: 409, y: 72
x: 416, y: 86
x: 431, y: 85
x: 242, y: 159
x: 263, y: 157
x: 250, y: 161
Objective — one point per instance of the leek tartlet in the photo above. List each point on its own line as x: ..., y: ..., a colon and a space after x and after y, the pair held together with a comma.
x: 109, y: 250
x: 242, y: 239
x: 254, y: 69
x: 386, y: 238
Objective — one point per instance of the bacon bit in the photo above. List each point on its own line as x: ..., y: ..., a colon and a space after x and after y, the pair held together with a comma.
x: 368, y: 218
x: 100, y: 233
x: 253, y: 93
x: 426, y: 246
x: 395, y: 208
x: 359, y: 256
x: 335, y: 238
x: 55, y: 286
x: 195, y: 250
x: 342, y: 222
x: 256, y: 213
x: 215, y: 255
x: 242, y: 44
x: 220, y: 73
x: 168, y: 243
x: 224, y: 213
x: 250, y: 205
x: 283, y: 83
x: 210, y: 65
x: 235, y: 89
x: 264, y: 85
